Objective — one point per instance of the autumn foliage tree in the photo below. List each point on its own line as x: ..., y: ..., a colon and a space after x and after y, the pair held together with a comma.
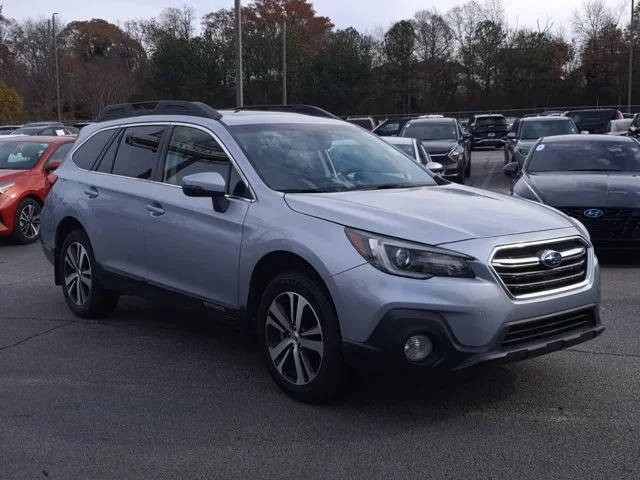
x: 466, y: 58
x: 11, y: 105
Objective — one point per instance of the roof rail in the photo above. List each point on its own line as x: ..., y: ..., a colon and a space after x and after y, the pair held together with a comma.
x: 292, y: 108
x: 160, y: 107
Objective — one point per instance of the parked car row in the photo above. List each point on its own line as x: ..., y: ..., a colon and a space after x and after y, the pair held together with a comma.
x: 43, y: 128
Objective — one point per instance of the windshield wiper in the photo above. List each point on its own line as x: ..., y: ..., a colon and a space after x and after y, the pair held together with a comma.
x: 389, y: 186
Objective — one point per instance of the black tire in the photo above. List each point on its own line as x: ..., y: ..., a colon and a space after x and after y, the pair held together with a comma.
x: 26, y: 225
x: 467, y: 170
x: 94, y: 301
x: 330, y: 370
x: 460, y: 176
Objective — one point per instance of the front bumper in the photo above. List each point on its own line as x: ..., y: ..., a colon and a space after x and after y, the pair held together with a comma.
x: 466, y: 318
x: 384, y: 348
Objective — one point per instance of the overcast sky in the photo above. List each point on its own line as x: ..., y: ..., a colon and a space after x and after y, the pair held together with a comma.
x: 365, y: 15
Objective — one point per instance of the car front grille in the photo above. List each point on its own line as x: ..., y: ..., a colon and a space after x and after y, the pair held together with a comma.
x: 546, y: 328
x: 615, y: 224
x: 521, y: 269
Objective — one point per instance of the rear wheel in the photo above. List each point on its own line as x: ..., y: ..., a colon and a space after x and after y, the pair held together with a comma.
x: 80, y: 285
x: 300, y: 337
x: 26, y: 226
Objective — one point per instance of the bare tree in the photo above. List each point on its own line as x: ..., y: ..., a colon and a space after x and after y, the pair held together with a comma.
x: 592, y: 19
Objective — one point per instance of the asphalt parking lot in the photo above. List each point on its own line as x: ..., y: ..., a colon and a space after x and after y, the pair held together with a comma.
x: 159, y: 392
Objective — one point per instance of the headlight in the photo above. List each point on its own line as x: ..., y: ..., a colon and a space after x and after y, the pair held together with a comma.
x: 409, y: 259
x: 5, y: 187
x: 456, y: 153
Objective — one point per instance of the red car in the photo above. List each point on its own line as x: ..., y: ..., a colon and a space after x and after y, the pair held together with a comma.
x: 25, y: 165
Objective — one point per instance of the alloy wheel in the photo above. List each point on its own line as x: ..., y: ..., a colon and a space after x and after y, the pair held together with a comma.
x: 77, y: 273
x: 29, y: 221
x: 294, y: 338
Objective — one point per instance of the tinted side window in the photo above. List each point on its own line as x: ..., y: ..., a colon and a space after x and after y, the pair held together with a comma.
x: 106, y: 164
x: 89, y: 152
x: 60, y: 153
x: 138, y: 151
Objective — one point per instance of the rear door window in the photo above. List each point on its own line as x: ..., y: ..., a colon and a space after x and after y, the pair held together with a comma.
x: 138, y: 151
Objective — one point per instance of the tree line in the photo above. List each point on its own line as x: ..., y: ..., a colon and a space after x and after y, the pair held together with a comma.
x: 466, y: 58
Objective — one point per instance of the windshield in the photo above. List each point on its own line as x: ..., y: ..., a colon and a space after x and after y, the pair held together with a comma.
x: 27, y: 131
x: 546, y: 128
x: 20, y: 155
x: 621, y: 125
x: 484, y: 121
x: 325, y: 158
x: 598, y: 156
x: 430, y: 131
x: 406, y: 149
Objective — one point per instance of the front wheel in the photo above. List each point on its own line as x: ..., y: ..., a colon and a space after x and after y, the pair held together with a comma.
x: 300, y: 337
x: 467, y: 170
x: 27, y: 221
x: 80, y: 285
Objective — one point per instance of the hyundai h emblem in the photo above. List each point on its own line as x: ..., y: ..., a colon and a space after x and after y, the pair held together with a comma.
x: 550, y: 258
x: 593, y: 213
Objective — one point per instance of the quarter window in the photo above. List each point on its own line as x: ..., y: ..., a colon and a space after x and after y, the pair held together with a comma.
x: 138, y: 151
x: 90, y: 150
x: 106, y: 164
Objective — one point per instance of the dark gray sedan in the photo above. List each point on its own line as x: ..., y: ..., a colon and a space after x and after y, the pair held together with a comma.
x: 592, y: 178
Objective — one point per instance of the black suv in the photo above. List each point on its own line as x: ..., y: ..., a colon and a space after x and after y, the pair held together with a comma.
x: 445, y: 142
x: 594, y: 120
x: 488, y: 130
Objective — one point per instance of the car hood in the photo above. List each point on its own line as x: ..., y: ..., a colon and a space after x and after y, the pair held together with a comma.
x: 433, y: 215
x: 7, y: 176
x: 587, y: 189
x: 438, y: 146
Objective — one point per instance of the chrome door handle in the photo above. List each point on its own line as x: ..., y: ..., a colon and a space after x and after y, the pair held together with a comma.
x: 91, y: 192
x: 155, y: 209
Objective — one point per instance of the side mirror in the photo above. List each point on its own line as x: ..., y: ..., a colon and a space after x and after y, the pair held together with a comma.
x: 584, y: 132
x: 53, y: 166
x: 511, y: 169
x: 511, y: 135
x: 207, y: 184
x: 435, y: 167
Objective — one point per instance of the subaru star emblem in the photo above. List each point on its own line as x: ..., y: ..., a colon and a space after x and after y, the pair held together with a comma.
x: 550, y: 258
x: 593, y: 213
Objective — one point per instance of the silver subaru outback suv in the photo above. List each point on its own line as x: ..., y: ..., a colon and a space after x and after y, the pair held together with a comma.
x: 332, y: 245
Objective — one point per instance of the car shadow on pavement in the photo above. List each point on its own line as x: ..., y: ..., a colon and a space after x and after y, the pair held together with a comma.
x: 219, y: 346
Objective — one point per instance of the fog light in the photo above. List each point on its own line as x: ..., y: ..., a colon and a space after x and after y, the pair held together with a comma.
x: 417, y: 348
